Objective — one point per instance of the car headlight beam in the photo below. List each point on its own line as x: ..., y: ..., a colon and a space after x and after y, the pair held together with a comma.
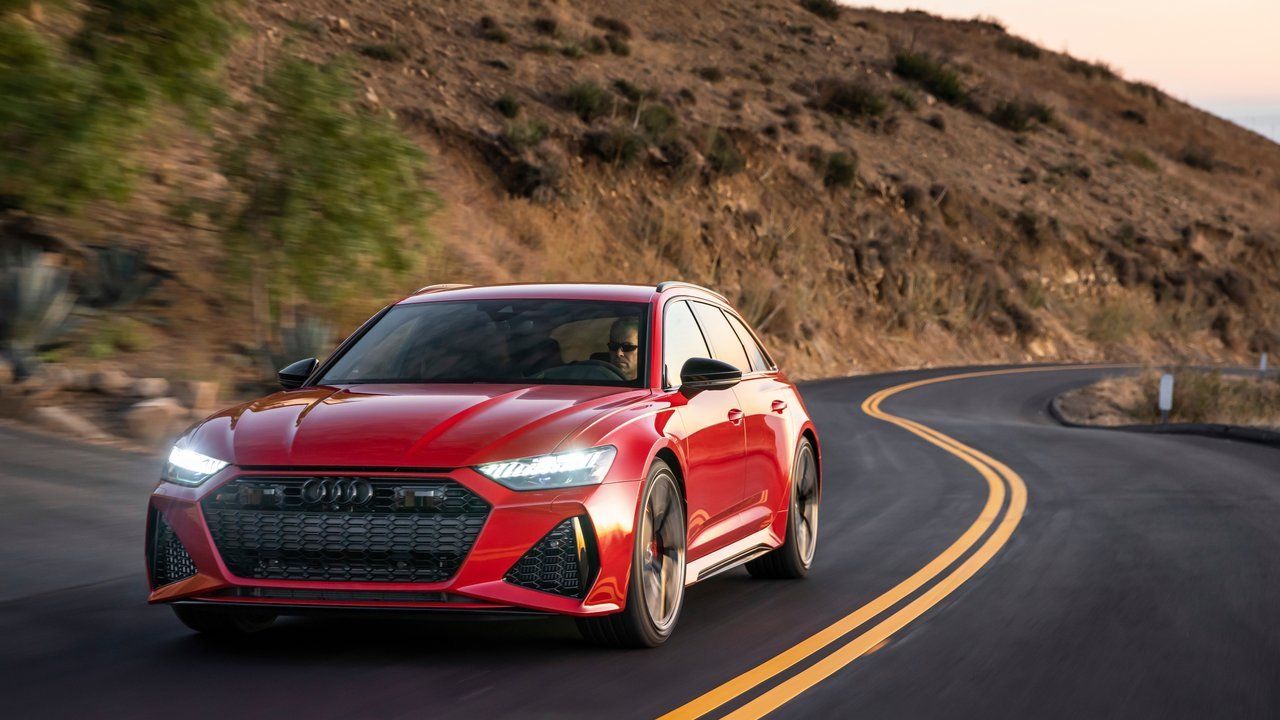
x: 557, y: 470
x: 190, y: 468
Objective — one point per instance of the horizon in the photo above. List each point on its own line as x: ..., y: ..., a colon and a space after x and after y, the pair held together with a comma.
x: 1163, y: 44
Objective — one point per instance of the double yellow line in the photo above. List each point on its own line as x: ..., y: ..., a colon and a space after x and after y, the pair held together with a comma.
x: 1001, y: 483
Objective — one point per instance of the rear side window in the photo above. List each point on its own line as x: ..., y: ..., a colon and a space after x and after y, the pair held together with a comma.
x: 724, y: 341
x: 758, y: 360
x: 681, y: 340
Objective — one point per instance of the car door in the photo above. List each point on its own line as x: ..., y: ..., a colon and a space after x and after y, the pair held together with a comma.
x: 714, y: 439
x: 755, y: 394
x: 769, y: 433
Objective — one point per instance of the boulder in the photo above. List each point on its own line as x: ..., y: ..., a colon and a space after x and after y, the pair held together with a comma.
x: 150, y: 387
x: 57, y: 377
x: 200, y: 396
x: 152, y: 421
x: 111, y: 382
x: 6, y: 372
x: 65, y: 420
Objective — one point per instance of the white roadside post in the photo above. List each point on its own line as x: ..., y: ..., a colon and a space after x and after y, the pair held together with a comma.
x: 1166, y: 396
x: 1262, y: 367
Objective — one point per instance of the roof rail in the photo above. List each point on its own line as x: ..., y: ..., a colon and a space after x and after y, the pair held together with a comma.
x: 439, y: 288
x: 679, y: 283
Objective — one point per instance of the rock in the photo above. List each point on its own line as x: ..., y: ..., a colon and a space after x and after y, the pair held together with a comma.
x: 150, y: 387
x: 152, y: 421
x: 64, y: 420
x: 111, y: 382
x: 338, y: 25
x: 6, y: 372
x: 198, y: 395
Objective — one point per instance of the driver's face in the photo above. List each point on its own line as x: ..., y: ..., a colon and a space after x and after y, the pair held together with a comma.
x: 623, y: 349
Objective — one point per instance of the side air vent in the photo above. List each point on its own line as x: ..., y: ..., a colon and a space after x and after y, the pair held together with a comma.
x: 562, y: 562
x: 168, y: 559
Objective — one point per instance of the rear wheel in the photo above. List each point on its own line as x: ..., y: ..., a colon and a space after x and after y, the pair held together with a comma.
x: 656, y: 590
x: 220, y: 621
x: 793, y: 558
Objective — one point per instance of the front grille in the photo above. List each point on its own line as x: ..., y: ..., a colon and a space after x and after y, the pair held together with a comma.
x: 561, y: 562
x: 344, y: 528
x: 169, y: 560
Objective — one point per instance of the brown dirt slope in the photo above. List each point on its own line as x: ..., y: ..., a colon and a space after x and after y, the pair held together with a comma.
x: 1054, y: 211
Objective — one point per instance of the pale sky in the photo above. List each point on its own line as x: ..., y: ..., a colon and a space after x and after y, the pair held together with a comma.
x: 1223, y: 56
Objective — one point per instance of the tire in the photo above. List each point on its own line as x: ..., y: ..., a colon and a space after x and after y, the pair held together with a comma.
x: 657, y: 566
x: 223, y: 622
x: 792, y: 559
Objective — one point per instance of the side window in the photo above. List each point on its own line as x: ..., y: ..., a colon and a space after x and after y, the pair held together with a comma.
x: 681, y: 340
x: 758, y: 359
x: 724, y: 342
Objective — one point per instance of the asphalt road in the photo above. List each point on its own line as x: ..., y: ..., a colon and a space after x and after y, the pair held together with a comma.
x: 1142, y: 581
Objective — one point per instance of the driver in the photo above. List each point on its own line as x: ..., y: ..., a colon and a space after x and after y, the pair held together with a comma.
x: 624, y: 345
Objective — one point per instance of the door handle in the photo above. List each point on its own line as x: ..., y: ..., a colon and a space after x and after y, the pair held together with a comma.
x: 735, y: 416
x: 778, y: 406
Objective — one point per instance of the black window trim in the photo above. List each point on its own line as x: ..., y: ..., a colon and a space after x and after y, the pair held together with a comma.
x: 772, y: 370
x: 663, y: 358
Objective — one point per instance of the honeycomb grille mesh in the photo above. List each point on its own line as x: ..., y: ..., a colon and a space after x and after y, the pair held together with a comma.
x: 170, y: 561
x: 553, y: 565
x: 403, y: 530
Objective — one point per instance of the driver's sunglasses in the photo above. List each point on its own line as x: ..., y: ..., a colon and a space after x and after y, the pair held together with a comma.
x: 622, y: 347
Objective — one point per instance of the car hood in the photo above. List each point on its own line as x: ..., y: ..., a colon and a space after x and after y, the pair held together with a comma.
x: 410, y: 426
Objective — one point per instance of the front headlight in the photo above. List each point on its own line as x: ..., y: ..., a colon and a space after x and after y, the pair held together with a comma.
x: 566, y: 469
x: 190, y: 468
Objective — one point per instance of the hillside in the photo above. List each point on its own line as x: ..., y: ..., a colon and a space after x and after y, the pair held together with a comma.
x: 873, y: 190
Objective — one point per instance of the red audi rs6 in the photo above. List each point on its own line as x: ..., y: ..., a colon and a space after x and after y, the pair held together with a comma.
x: 584, y: 450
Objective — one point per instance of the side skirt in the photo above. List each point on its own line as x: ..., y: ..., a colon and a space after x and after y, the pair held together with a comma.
x: 730, y: 556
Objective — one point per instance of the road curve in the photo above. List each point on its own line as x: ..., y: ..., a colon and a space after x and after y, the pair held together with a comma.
x: 1141, y: 580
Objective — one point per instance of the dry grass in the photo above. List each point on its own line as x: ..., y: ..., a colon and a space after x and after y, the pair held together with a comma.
x: 1198, y: 397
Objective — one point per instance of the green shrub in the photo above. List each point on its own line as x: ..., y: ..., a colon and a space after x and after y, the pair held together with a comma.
x: 546, y: 26
x: 596, y: 45
x: 658, y: 120
x: 617, y: 45
x: 69, y: 114
x: 1139, y: 159
x: 329, y: 188
x: 528, y: 133
x: 904, y: 97
x: 1019, y: 47
x: 630, y: 91
x: 491, y: 30
x: 1089, y: 70
x: 1199, y: 157
x: 1019, y: 116
x: 507, y: 105
x: 722, y: 153
x: 841, y: 170
x: 572, y: 51
x: 932, y: 75
x: 588, y: 101
x: 613, y: 25
x: 826, y: 9
x: 619, y: 145
x: 386, y: 52
x: 849, y: 98
x: 710, y: 74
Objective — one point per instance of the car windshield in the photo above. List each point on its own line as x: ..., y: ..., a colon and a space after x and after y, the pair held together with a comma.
x: 563, y: 342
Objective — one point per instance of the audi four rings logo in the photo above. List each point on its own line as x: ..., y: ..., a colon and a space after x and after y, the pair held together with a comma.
x: 337, y: 491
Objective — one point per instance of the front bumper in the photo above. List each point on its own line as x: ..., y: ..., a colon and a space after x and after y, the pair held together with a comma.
x: 516, y: 523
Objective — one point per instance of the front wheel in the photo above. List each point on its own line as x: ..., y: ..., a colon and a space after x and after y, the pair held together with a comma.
x: 223, y: 621
x: 656, y: 591
x: 793, y: 558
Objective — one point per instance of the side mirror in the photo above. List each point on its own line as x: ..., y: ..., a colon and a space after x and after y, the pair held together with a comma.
x: 700, y: 374
x: 294, y: 375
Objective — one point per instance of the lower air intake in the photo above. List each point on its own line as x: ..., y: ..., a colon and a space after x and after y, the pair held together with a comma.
x: 562, y: 562
x: 169, y: 559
